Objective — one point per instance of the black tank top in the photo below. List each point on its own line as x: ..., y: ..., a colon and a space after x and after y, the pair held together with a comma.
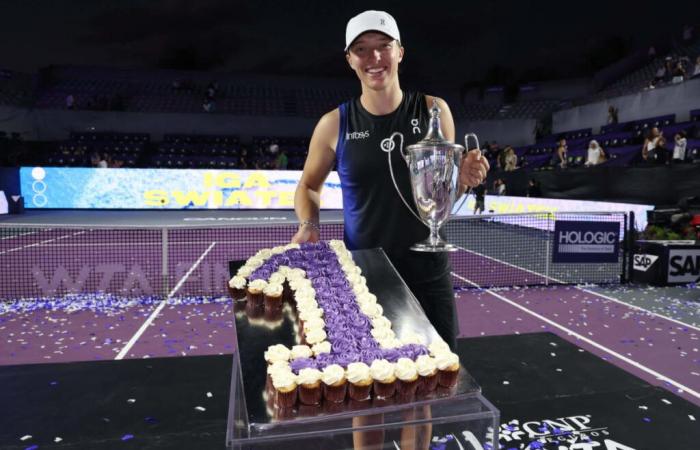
x: 374, y: 214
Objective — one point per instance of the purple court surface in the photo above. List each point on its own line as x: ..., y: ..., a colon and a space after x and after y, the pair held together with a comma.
x: 661, y: 348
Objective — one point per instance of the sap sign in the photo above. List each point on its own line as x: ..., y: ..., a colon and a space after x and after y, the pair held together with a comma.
x: 642, y: 262
x: 586, y: 242
x: 683, y: 265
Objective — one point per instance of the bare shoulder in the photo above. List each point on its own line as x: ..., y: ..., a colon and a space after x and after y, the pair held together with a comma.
x: 327, y: 129
x: 442, y: 104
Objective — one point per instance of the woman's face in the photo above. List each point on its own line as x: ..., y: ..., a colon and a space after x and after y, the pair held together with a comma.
x: 375, y: 58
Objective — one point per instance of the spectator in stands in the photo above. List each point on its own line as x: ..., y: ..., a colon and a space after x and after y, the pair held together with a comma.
x: 499, y: 186
x: 211, y: 91
x: 559, y: 158
x: 679, y: 148
x: 70, y: 101
x: 510, y: 159
x: 612, y: 115
x: 696, y: 68
x: 678, y: 73
x: 596, y: 155
x: 533, y: 188
x: 95, y: 159
x: 654, y: 146
x: 479, y: 197
x: 669, y: 66
x: 102, y: 163
x: 281, y: 162
x: 243, y: 162
x: 208, y: 105
x: 658, y: 77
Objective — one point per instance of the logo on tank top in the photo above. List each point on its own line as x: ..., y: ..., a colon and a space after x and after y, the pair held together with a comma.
x: 357, y: 135
x: 416, y: 128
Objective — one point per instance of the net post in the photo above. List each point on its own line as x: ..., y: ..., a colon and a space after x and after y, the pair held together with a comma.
x: 164, y: 259
x: 547, y: 252
x: 631, y: 233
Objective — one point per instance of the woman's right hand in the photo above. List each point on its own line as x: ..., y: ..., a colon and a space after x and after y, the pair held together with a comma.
x: 306, y: 233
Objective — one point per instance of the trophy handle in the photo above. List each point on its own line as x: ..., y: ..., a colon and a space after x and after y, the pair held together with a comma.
x: 387, y: 145
x: 458, y: 161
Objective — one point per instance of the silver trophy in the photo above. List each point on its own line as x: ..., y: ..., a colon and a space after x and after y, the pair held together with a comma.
x: 433, y: 164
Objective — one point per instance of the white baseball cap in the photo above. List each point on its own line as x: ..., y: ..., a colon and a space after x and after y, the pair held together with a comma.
x: 371, y: 21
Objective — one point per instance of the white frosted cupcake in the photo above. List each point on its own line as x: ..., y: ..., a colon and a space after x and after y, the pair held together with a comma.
x: 301, y: 351
x: 360, y: 381
x: 407, y: 374
x: 428, y: 372
x: 310, y: 391
x: 236, y: 287
x: 384, y: 378
x: 448, y: 368
x: 277, y: 353
x: 321, y: 347
x: 255, y: 291
x: 335, y: 384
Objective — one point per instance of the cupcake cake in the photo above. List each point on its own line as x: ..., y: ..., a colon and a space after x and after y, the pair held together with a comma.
x: 360, y: 381
x: 448, y: 368
x: 407, y: 375
x: 384, y: 379
x: 310, y: 391
x: 254, y: 293
x: 236, y: 287
x: 335, y: 385
x: 428, y: 373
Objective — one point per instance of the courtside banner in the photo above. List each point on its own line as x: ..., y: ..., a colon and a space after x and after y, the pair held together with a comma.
x: 586, y: 242
x: 88, y: 188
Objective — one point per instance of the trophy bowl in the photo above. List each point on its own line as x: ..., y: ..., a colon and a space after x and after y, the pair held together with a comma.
x: 433, y: 165
x: 434, y: 169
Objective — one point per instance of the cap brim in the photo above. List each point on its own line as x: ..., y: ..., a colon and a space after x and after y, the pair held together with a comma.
x: 367, y: 31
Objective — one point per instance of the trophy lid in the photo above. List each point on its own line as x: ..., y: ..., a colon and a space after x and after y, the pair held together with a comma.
x: 434, y: 137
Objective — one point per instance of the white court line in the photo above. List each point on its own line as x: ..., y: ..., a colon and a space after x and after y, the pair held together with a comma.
x: 607, y: 297
x: 160, y: 307
x: 36, y: 244
x: 570, y: 332
x: 18, y: 235
x: 159, y: 243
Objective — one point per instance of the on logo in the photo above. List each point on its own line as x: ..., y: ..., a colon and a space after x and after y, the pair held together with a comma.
x: 416, y: 128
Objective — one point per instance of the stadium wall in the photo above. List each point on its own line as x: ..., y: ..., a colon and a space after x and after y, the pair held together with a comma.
x: 677, y: 99
x: 664, y: 185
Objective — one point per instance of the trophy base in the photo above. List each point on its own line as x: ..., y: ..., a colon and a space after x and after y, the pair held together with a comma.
x: 433, y: 246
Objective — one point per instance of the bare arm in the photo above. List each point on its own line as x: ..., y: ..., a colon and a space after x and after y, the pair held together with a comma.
x: 319, y: 162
